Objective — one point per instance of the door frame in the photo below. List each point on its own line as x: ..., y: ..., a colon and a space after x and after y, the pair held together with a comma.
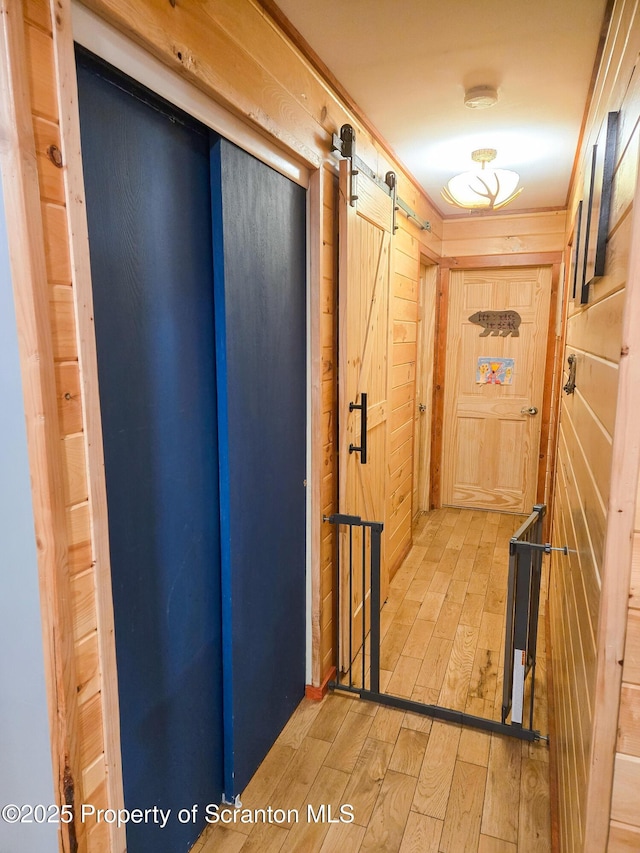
x: 426, y: 351
x: 547, y: 451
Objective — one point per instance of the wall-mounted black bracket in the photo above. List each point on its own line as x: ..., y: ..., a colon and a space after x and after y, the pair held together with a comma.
x: 348, y: 150
x: 545, y: 547
x: 570, y: 386
x: 391, y: 182
x: 344, y: 144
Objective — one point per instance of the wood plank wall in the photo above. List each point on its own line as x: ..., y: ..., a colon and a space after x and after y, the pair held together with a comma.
x: 275, y: 90
x: 580, y: 611
x: 82, y: 734
x: 503, y: 235
x: 409, y: 246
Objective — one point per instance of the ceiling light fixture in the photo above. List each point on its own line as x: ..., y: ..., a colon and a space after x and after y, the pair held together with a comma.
x: 485, y: 188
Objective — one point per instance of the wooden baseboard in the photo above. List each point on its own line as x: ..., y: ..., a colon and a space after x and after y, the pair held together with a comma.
x: 553, y: 760
x: 400, y: 560
x: 317, y: 693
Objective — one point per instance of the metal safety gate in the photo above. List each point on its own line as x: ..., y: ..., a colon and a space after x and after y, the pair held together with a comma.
x: 362, y: 674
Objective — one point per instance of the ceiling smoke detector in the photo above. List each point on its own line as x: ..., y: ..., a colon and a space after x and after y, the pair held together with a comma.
x: 480, y: 97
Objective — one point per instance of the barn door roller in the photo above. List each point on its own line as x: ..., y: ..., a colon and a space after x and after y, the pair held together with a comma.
x: 345, y: 145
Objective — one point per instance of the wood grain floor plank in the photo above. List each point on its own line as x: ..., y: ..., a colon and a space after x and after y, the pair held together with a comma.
x: 300, y: 775
x: 404, y: 677
x: 417, y: 589
x: 455, y: 686
x: 330, y: 717
x: 418, y: 639
x: 502, y: 798
x: 534, y: 829
x: 345, y: 749
x: 434, y: 783
x: 409, y: 751
x: 365, y: 782
x: 461, y: 829
x: 343, y: 837
x: 495, y: 600
x: 223, y: 840
x: 456, y: 591
x: 474, y: 746
x: 390, y: 813
x: 440, y: 582
x: 472, y: 608
x: 484, y: 675
x: 422, y: 834
x: 301, y: 721
x: 417, y: 722
x: 448, y: 620
x: 495, y: 845
x: 386, y: 725
x: 392, y: 645
x: 431, y: 606
x: 491, y: 632
x: 328, y: 789
x: 435, y: 662
x: 266, y: 838
x: 463, y: 569
x: 407, y: 612
x: 478, y: 583
x: 262, y: 786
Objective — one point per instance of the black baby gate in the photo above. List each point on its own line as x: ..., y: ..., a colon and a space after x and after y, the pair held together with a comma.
x: 359, y: 671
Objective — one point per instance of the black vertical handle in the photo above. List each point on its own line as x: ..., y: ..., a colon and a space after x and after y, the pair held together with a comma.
x: 362, y: 450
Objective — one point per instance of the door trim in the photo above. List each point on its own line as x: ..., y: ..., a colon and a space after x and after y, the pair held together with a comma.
x: 546, y: 462
x: 426, y: 352
x: 96, y: 35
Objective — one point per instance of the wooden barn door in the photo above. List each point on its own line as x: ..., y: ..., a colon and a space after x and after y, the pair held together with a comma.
x: 494, y: 384
x: 365, y: 277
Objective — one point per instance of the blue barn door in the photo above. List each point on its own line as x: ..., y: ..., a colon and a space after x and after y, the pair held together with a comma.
x: 147, y: 178
x: 259, y: 236
x: 198, y: 260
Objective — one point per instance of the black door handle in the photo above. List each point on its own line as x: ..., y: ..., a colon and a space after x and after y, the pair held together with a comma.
x: 362, y: 450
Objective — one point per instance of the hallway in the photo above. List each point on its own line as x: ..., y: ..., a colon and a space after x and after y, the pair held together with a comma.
x: 415, y: 784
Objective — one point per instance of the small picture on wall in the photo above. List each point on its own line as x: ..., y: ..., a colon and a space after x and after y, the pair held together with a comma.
x: 494, y: 371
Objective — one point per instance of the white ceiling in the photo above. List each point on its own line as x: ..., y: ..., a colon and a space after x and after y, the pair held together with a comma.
x: 407, y: 63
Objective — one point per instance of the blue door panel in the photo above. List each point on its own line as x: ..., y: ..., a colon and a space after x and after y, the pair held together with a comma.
x: 259, y: 234
x: 149, y: 212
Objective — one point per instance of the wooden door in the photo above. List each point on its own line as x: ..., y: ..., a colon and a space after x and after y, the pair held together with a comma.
x: 364, y: 346
x: 494, y: 384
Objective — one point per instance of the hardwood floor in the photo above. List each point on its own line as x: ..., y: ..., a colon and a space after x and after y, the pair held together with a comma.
x: 413, y: 784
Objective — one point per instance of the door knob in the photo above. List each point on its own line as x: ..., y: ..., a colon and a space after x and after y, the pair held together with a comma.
x: 422, y: 407
x: 530, y: 410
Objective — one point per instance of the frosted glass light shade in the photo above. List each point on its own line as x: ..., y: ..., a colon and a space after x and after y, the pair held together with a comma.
x: 483, y: 189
